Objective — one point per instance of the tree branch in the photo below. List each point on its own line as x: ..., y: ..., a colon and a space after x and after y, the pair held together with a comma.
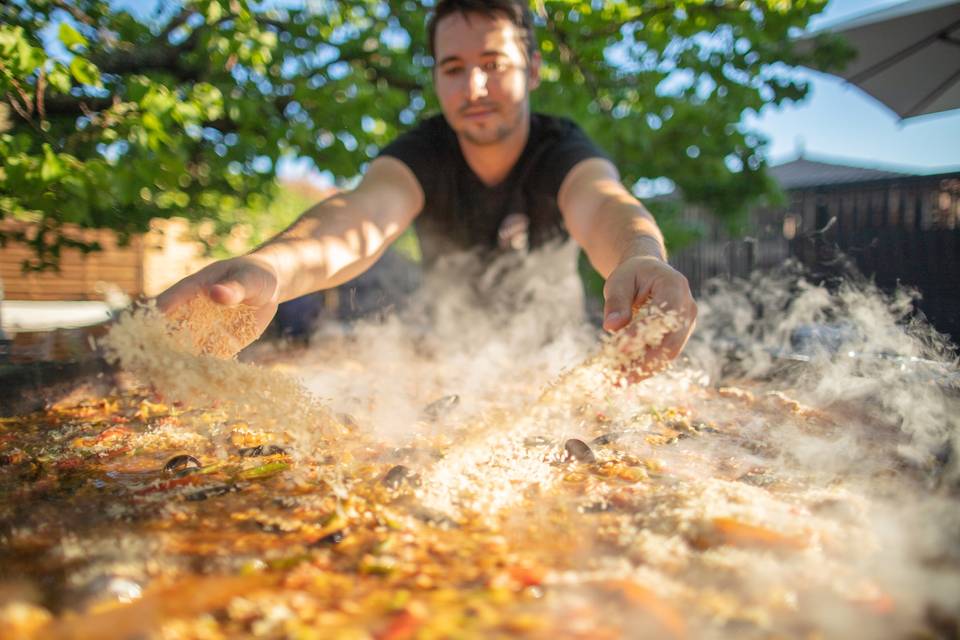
x: 175, y: 22
x: 41, y: 88
x: 76, y: 12
x: 570, y: 54
x: 162, y: 58
x: 396, y: 82
x: 59, y: 105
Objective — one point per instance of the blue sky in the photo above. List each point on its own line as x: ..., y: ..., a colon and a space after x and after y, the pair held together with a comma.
x: 839, y: 121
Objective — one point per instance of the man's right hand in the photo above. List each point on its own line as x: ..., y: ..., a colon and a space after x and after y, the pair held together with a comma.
x: 245, y: 280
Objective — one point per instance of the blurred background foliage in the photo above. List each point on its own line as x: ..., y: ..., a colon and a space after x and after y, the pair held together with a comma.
x: 111, y: 117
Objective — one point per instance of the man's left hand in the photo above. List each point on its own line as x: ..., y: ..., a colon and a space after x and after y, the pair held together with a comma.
x: 649, y: 280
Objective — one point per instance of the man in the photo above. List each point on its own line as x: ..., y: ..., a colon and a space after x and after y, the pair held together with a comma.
x: 486, y: 172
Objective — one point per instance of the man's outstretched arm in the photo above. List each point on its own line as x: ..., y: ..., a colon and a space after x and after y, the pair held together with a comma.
x: 624, y: 244
x: 331, y: 243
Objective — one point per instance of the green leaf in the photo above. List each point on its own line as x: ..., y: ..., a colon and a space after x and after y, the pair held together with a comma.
x: 214, y: 12
x: 10, y: 38
x: 70, y: 37
x: 85, y: 72
x: 209, y: 98
x: 50, y: 168
x: 59, y: 78
x: 28, y: 57
x: 152, y: 122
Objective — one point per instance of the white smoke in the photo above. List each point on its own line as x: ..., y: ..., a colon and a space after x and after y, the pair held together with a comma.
x: 845, y: 347
x: 491, y: 333
x: 829, y: 415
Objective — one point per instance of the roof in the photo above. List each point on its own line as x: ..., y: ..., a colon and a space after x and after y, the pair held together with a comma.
x: 802, y: 173
x: 907, y: 8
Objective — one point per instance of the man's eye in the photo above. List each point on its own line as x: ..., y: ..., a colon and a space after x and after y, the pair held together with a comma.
x: 452, y: 71
x: 494, y: 67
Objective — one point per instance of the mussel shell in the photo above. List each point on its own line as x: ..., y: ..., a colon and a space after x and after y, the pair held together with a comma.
x: 329, y: 540
x: 261, y: 450
x: 181, y: 463
x: 537, y: 441
x: 579, y: 450
x: 415, y: 455
x: 211, y: 491
x: 757, y: 478
x: 438, y: 408
x: 106, y: 588
x: 288, y: 502
x: 703, y: 427
x: 399, y: 475
x: 348, y: 421
x: 433, y: 517
x: 608, y: 438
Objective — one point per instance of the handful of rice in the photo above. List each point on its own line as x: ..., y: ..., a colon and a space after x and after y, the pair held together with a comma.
x: 636, y: 346
x: 214, y: 329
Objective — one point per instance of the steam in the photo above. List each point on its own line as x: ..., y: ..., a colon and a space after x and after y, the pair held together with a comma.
x: 850, y: 348
x: 492, y: 334
x: 794, y: 473
x: 822, y: 423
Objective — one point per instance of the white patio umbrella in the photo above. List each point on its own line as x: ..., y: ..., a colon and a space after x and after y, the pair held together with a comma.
x: 908, y: 55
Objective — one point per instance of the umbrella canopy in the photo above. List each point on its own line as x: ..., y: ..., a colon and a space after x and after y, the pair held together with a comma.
x: 908, y: 56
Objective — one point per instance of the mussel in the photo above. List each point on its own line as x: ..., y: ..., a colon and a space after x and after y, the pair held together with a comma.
x: 438, y: 408
x: 348, y: 421
x: 399, y: 475
x: 758, y: 477
x: 212, y: 491
x: 433, y: 517
x: 261, y: 450
x: 579, y: 450
x: 182, y: 463
x: 330, y: 539
x: 287, y: 502
x: 415, y: 455
x: 536, y: 441
x: 107, y: 588
x: 608, y: 438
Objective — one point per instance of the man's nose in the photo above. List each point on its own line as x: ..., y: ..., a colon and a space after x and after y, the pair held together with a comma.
x: 477, y: 83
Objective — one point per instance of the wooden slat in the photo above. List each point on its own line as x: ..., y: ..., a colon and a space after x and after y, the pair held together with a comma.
x: 79, y: 273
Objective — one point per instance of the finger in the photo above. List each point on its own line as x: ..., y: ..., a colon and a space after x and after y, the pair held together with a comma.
x: 678, y: 300
x: 177, y: 295
x: 228, y: 292
x: 246, y: 285
x: 671, y: 295
x: 619, y: 293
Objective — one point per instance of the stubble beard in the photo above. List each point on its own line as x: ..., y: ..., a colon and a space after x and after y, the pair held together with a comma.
x: 499, y: 134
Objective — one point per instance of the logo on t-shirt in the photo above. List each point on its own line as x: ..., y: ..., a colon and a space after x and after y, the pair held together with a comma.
x: 514, y: 232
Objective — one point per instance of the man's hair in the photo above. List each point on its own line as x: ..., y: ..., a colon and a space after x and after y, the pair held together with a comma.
x: 516, y: 11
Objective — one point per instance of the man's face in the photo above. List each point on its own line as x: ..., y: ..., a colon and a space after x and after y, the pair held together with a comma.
x: 483, y: 77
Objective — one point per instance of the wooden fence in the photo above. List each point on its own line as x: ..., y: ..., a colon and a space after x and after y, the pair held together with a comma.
x: 145, y: 265
x: 721, y: 255
x: 81, y: 276
x: 896, y: 231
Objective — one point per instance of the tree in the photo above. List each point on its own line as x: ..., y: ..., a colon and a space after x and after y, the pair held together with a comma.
x: 114, y: 117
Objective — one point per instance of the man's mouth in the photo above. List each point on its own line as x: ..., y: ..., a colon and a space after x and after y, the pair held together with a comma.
x: 477, y: 112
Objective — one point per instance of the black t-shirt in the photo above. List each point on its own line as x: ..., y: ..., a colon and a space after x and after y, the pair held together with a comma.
x: 460, y: 212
